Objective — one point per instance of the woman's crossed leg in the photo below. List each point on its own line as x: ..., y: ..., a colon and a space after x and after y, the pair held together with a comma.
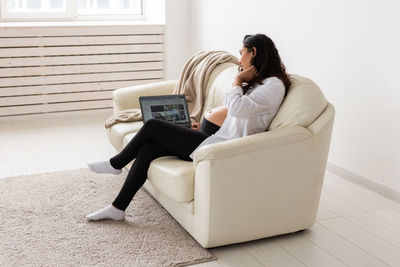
x: 155, y: 139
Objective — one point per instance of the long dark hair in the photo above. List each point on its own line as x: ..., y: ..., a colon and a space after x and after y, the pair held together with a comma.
x: 267, y: 61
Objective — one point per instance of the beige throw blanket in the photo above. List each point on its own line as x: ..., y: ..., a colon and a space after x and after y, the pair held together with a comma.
x: 192, y: 83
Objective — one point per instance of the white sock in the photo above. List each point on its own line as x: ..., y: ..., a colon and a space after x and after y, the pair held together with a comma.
x: 103, y: 167
x: 109, y: 212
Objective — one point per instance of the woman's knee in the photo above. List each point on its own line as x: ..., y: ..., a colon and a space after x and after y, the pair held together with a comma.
x: 153, y: 122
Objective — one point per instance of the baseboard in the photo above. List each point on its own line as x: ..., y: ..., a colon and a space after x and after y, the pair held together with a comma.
x: 364, y: 182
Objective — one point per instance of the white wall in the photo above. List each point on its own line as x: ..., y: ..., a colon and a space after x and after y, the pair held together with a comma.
x: 349, y: 48
x: 154, y: 11
x: 175, y: 15
x: 177, y: 37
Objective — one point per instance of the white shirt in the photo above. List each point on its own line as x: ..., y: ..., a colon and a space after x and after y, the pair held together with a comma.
x: 250, y: 113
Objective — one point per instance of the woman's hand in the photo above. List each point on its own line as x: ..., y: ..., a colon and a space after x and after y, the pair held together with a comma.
x: 246, y: 75
x: 196, y: 126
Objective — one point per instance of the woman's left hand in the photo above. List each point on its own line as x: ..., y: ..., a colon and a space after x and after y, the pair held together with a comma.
x: 196, y: 126
x: 245, y: 76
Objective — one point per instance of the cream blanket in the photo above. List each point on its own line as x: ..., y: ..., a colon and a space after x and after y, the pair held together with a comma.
x: 192, y: 83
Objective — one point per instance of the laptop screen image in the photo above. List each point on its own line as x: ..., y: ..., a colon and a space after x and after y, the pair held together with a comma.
x: 170, y: 108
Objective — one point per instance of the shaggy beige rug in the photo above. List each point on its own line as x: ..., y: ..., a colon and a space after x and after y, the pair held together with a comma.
x: 42, y: 222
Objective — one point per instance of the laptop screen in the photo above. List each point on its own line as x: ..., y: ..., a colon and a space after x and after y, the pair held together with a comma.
x: 171, y: 108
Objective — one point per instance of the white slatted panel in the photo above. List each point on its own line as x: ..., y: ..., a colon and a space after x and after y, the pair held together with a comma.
x: 51, y: 69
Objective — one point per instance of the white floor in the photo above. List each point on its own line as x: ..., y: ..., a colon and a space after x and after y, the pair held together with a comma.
x: 355, y: 226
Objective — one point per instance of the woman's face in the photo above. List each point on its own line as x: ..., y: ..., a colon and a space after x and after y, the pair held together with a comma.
x: 245, y: 58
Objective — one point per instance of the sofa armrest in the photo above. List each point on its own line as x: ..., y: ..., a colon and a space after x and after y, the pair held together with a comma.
x: 251, y: 143
x: 256, y: 186
x: 128, y: 97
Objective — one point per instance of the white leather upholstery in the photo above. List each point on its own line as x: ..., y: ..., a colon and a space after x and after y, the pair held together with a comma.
x: 302, y: 105
x: 126, y: 98
x: 251, y: 187
x: 173, y: 177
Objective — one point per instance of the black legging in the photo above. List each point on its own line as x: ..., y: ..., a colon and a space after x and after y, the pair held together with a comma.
x: 155, y: 139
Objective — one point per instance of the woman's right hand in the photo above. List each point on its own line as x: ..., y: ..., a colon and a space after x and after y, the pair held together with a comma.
x: 245, y: 75
x: 196, y: 126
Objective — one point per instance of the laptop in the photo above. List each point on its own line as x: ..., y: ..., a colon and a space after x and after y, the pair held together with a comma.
x: 170, y: 108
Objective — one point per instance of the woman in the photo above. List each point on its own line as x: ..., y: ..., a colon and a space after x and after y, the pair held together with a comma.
x: 248, y: 108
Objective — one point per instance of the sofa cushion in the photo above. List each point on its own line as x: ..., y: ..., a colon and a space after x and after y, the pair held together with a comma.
x: 303, y: 104
x: 173, y: 177
x: 170, y: 175
x: 117, y: 132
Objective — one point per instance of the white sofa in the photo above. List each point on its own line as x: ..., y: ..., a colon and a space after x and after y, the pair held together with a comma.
x: 253, y: 187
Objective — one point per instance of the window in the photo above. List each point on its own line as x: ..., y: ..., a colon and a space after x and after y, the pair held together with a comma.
x: 70, y: 9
